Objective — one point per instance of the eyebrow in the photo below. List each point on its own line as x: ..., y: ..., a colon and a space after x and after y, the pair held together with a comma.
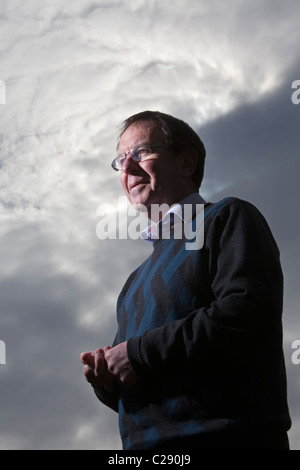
x: 138, y: 145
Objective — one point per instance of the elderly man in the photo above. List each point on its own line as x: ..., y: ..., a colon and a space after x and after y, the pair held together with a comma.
x: 197, y: 362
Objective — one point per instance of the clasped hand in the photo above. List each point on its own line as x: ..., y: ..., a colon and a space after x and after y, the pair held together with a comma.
x: 105, y: 368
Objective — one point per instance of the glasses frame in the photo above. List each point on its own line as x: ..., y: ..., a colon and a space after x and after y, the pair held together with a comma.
x: 134, y: 157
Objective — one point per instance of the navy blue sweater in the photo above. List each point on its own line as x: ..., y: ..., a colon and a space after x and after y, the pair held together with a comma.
x: 204, y: 334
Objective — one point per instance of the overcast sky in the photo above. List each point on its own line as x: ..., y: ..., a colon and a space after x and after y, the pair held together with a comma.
x: 73, y: 71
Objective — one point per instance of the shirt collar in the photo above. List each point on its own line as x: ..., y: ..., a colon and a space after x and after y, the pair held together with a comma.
x: 176, y: 212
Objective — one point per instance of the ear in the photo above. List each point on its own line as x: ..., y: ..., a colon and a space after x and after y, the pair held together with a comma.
x: 188, y: 160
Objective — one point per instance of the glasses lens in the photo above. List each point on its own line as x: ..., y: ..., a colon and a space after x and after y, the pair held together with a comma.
x: 139, y: 153
x: 121, y: 160
x: 116, y: 164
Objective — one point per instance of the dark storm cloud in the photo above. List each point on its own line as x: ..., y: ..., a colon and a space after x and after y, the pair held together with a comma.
x: 253, y: 153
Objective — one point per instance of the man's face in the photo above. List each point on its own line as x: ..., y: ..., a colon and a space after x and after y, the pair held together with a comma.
x: 156, y: 180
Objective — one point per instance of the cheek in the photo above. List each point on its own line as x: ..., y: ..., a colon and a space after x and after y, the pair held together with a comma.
x: 153, y: 173
x: 123, y: 182
x: 161, y: 177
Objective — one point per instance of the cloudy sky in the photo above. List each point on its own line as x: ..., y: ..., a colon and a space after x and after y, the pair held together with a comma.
x: 72, y: 72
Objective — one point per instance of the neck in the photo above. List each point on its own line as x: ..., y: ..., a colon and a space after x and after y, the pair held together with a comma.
x: 157, y: 211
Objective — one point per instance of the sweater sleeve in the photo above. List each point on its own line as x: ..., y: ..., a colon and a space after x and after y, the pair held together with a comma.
x: 246, y: 280
x: 110, y: 399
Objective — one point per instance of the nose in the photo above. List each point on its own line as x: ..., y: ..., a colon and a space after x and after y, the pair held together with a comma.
x: 130, y: 165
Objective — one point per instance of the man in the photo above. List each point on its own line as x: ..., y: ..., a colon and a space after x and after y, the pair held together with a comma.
x: 197, y: 361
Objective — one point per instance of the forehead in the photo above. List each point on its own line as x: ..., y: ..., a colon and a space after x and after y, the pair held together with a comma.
x: 142, y: 132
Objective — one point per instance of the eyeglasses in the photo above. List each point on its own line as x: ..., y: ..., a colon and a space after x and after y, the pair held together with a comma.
x: 138, y: 154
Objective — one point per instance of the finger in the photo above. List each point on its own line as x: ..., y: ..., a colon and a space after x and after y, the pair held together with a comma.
x: 109, y: 382
x: 82, y: 356
x: 89, y: 374
x: 99, y: 350
x: 100, y: 366
x: 88, y: 358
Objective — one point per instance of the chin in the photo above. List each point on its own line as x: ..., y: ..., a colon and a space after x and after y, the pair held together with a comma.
x: 139, y: 206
